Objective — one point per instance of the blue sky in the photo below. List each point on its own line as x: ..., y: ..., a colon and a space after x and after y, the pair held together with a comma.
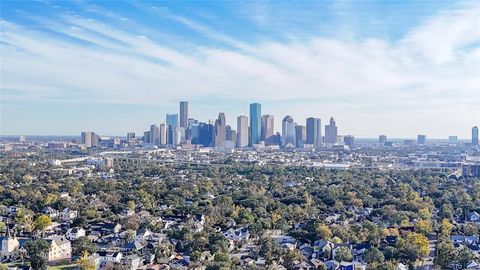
x: 396, y: 67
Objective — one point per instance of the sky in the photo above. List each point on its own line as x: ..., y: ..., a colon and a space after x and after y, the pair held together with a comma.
x: 399, y: 68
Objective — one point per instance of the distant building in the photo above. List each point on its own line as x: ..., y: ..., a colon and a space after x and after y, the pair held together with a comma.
x: 184, y: 114
x: 300, y: 135
x: 475, y: 136
x: 314, y: 131
x: 146, y: 137
x: 348, y: 140
x: 10, y: 246
x: 288, y: 131
x: 172, y: 124
x: 162, y: 134
x: 267, y: 128
x: 242, y: 131
x: 382, y: 139
x: 220, y: 130
x: 60, y: 249
x: 155, y: 134
x: 130, y: 136
x: 90, y: 139
x: 452, y: 139
x: 409, y: 142
x: 206, y: 134
x: 21, y: 138
x: 421, y: 139
x: 255, y: 123
x: 331, y: 132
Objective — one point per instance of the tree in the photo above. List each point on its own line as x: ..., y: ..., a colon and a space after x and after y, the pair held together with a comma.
x: 3, y: 227
x: 446, y: 254
x: 82, y: 245
x: 36, y: 253
x: 446, y: 228
x: 42, y: 222
x: 323, y: 231
x: 343, y: 254
x: 374, y: 255
x: 423, y: 226
x: 413, y: 247
x: 465, y: 255
x: 85, y: 263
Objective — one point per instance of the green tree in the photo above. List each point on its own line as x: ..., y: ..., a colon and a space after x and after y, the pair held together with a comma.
x: 374, y: 255
x: 42, y: 222
x: 446, y: 254
x: 82, y: 245
x: 36, y: 250
x: 343, y: 254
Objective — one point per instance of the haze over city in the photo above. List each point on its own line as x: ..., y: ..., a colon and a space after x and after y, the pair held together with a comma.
x: 397, y: 68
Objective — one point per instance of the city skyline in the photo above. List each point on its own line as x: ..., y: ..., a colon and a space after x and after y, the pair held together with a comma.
x: 71, y: 66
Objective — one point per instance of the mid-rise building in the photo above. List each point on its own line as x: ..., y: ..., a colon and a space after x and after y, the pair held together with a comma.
x: 349, y: 140
x: 421, y: 139
x: 130, y: 136
x: 242, y: 131
x: 255, y: 123
x: 163, y: 134
x: 452, y: 139
x: 382, y: 139
x: 90, y: 139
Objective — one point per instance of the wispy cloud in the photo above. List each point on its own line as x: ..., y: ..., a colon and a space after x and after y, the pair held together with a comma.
x: 432, y: 70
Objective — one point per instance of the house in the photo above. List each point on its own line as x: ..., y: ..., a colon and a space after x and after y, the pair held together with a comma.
x: 358, y: 251
x: 322, y: 249
x: 52, y: 213
x: 237, y: 234
x: 463, y: 239
x: 474, y: 217
x: 473, y: 265
x: 131, y: 262
x: 143, y: 234
x: 352, y: 266
x: 75, y: 233
x: 135, y: 246
x: 102, y: 258
x: 60, y: 249
x: 106, y: 228
x: 67, y: 215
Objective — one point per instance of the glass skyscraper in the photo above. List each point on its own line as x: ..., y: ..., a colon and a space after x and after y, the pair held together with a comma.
x: 255, y: 123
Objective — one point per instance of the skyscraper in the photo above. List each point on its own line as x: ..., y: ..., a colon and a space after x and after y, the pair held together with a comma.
x: 87, y: 138
x: 475, y: 136
x: 163, y: 134
x: 155, y: 134
x: 267, y: 128
x: 255, y: 123
x: 184, y: 114
x: 300, y: 135
x: 242, y: 131
x: 421, y: 139
x: 172, y: 124
x: 382, y: 139
x: 288, y: 131
x: 314, y: 132
x: 220, y: 130
x: 331, y: 132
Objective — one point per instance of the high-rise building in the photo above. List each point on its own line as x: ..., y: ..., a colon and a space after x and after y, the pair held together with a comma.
x: 421, y: 139
x: 300, y: 135
x: 184, y: 114
x: 475, y: 136
x: 255, y: 123
x: 331, y: 132
x: 154, y: 135
x: 242, y: 131
x: 231, y: 135
x: 382, y: 139
x: 172, y: 124
x: 130, y: 136
x: 146, y: 137
x: 205, y: 135
x: 348, y: 140
x: 314, y: 132
x: 267, y: 128
x: 162, y: 134
x: 288, y: 131
x: 220, y: 130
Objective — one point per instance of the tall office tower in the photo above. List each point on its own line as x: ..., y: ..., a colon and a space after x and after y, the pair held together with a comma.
x: 95, y: 139
x: 146, y: 137
x: 193, y: 130
x: 130, y: 136
x: 172, y: 124
x: 205, y: 135
x: 382, y: 139
x: 475, y: 136
x: 242, y: 131
x: 184, y: 114
x: 452, y: 139
x: 255, y: 123
x: 162, y: 134
x: 314, y: 132
x: 288, y: 131
x: 267, y: 128
x: 300, y: 135
x: 348, y: 140
x: 87, y: 138
x: 220, y: 130
x: 155, y: 134
x: 421, y: 139
x: 331, y: 132
x: 178, y: 135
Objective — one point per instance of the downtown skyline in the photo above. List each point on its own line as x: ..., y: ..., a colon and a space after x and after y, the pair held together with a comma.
x: 70, y: 66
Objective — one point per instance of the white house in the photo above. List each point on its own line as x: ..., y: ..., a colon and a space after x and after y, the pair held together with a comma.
x: 10, y: 246
x: 75, y: 233
x: 237, y: 235
x: 60, y: 249
x: 68, y: 215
